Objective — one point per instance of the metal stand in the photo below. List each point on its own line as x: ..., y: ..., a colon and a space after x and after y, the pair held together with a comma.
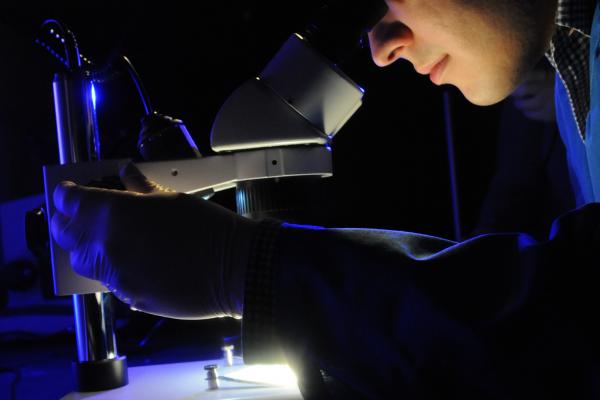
x: 98, y: 366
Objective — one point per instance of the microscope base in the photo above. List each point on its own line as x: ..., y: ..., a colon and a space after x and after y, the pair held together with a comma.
x: 92, y: 376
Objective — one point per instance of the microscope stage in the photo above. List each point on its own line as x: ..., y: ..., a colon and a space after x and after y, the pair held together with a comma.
x: 188, y: 381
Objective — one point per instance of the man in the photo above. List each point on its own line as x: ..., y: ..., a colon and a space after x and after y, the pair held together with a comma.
x: 389, y: 314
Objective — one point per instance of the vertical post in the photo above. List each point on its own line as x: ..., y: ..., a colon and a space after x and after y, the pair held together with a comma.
x: 98, y: 365
x: 452, y: 165
x: 94, y: 327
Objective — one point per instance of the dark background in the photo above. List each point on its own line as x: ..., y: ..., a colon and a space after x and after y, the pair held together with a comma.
x: 390, y: 160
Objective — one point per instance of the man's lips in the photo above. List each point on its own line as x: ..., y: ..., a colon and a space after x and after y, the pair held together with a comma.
x: 437, y: 71
x: 434, y: 69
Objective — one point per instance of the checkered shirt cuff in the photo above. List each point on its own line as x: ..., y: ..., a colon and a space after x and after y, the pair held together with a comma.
x: 259, y: 337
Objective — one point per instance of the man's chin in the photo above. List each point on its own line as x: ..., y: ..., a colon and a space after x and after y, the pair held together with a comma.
x: 483, y: 97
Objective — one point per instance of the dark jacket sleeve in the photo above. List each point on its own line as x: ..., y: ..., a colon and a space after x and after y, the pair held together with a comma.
x: 496, y: 317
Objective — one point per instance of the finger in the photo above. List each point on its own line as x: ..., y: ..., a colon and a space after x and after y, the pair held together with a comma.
x: 134, y: 180
x: 64, y: 200
x: 82, y: 263
x: 89, y: 261
x: 69, y: 197
x: 64, y: 232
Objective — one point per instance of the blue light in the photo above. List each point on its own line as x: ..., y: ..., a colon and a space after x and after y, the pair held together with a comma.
x: 93, y: 91
x: 241, y: 198
x: 297, y: 226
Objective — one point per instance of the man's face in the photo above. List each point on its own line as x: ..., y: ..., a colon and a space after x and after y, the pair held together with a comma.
x: 483, y: 47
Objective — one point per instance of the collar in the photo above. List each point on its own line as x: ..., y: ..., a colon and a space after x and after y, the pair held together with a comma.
x: 576, y: 15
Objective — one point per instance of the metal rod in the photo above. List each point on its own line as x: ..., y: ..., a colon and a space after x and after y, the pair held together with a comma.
x: 78, y: 141
x: 452, y: 165
x: 94, y: 327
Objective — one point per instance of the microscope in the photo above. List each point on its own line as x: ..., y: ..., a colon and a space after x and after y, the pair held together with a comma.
x: 274, y: 131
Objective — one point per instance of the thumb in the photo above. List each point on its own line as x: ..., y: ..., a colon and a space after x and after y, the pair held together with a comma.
x: 133, y: 179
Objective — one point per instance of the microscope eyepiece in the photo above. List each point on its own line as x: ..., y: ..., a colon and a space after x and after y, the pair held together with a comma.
x: 338, y: 27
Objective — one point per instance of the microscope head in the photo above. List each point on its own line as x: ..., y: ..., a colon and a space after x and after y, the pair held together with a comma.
x: 302, y: 96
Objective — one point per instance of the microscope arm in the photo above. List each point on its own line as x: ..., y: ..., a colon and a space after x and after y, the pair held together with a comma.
x: 216, y: 173
x: 201, y: 176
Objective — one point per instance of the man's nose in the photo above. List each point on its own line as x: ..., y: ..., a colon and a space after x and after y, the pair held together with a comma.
x: 388, y: 40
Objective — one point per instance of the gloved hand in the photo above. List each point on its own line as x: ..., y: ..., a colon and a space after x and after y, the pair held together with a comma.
x: 162, y: 252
